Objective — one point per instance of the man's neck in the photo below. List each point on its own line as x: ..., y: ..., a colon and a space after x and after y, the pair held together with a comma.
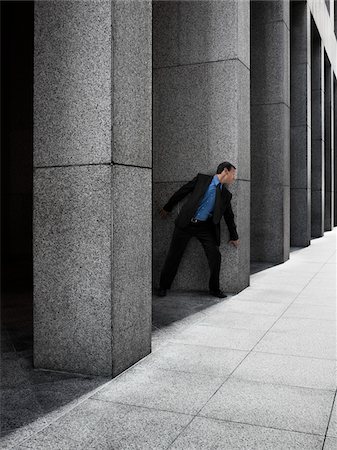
x: 220, y: 179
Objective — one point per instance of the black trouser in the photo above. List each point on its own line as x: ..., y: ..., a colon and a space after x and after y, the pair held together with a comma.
x: 204, y: 232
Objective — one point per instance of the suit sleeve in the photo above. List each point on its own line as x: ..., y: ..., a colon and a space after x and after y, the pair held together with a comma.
x: 180, y: 194
x: 229, y: 219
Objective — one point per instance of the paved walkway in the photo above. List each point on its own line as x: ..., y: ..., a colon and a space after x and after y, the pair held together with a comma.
x: 253, y: 371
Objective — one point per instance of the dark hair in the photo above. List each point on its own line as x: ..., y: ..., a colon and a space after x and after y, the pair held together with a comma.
x: 225, y: 165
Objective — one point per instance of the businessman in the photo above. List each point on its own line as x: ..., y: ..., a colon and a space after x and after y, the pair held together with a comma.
x: 200, y: 217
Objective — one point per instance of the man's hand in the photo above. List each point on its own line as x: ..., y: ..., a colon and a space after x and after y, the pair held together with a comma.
x: 235, y: 243
x: 163, y: 213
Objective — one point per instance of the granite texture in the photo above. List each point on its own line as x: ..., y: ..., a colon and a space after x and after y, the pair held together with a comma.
x: 72, y: 83
x: 300, y: 217
x: 317, y: 113
x: 317, y: 213
x: 72, y: 269
x: 161, y: 389
x: 269, y: 405
x: 100, y: 424
x: 214, y: 336
x: 270, y: 235
x: 317, y: 137
x: 207, y: 434
x: 195, y: 359
x: 198, y: 111
x: 270, y: 62
x: 328, y: 147
x: 190, y: 32
x: 132, y: 82
x: 288, y: 370
x: 300, y: 153
x: 271, y: 11
x: 270, y: 148
x: 131, y: 265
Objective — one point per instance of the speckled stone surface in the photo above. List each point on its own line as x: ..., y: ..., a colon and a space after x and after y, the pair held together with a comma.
x: 270, y: 241
x: 168, y: 390
x: 132, y: 82
x: 72, y: 82
x: 131, y: 265
x: 300, y: 123
x: 212, y: 434
x: 270, y: 144
x: 289, y: 370
x: 72, y: 269
x: 328, y: 147
x: 200, y: 110
x: 189, y: 32
x: 270, y: 67
x: 287, y: 407
x: 100, y: 424
x: 317, y: 145
x: 300, y: 217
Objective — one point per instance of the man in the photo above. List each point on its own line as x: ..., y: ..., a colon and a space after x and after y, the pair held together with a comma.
x: 200, y: 217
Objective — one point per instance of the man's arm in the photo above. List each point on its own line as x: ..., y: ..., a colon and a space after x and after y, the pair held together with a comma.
x: 180, y: 194
x: 229, y: 219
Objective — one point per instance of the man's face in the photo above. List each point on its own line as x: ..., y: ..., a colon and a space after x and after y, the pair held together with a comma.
x: 230, y: 175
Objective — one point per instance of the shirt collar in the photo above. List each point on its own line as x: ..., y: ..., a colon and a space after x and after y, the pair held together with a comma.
x: 216, y: 181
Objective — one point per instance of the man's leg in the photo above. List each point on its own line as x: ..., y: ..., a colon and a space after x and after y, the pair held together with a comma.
x: 207, y: 239
x: 178, y: 244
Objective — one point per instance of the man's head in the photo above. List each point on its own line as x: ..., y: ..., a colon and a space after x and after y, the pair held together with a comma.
x: 226, y: 172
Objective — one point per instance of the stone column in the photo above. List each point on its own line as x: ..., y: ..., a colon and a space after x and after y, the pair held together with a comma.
x: 335, y: 149
x: 328, y: 146
x: 201, y: 118
x: 300, y: 126
x: 270, y: 131
x: 92, y: 185
x: 317, y: 135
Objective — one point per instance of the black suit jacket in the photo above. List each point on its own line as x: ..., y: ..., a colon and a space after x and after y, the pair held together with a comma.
x: 222, y: 207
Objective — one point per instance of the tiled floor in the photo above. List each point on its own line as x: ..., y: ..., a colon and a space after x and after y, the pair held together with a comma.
x: 253, y: 371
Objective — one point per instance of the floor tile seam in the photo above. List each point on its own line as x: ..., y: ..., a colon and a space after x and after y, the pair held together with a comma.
x: 84, y: 398
x: 207, y: 346
x: 284, y: 311
x: 187, y: 372
x: 329, y: 420
x: 296, y: 356
x: 180, y: 433
x: 248, y: 353
x: 311, y: 318
x: 260, y: 426
x: 150, y: 408
x: 269, y: 383
x: 211, y: 346
x: 250, y: 313
x: 43, y: 427
x: 229, y: 327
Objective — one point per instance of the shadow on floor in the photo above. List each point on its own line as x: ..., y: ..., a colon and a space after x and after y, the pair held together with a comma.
x: 31, y: 398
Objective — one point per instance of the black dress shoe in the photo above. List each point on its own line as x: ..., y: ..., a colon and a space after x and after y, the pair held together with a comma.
x: 162, y: 292
x: 218, y: 293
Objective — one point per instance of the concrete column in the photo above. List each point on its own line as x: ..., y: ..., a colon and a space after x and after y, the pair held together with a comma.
x: 270, y: 131
x: 200, y: 119
x: 92, y: 185
x: 328, y: 146
x: 317, y: 135
x: 300, y: 125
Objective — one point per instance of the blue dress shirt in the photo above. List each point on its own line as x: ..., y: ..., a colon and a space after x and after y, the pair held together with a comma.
x: 206, y: 205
